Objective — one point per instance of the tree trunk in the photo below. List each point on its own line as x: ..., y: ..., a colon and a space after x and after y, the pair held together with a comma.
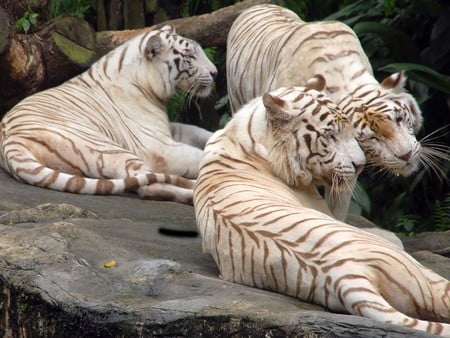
x: 32, y: 62
x: 207, y: 29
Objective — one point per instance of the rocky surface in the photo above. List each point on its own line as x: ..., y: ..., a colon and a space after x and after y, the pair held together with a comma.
x: 91, y: 266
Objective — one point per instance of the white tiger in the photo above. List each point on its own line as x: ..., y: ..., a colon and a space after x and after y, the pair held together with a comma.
x: 106, y: 131
x: 259, y: 217
x: 269, y: 47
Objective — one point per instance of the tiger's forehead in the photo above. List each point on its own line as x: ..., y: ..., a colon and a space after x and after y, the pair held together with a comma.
x: 183, y: 42
x: 385, y: 110
x: 382, y: 104
x: 310, y: 104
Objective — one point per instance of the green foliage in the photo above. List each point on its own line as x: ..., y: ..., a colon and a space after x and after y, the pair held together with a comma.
x: 73, y: 7
x: 421, y: 73
x: 408, y: 224
x: 441, y: 214
x: 298, y: 6
x: 29, y: 18
x: 361, y: 201
x: 179, y: 102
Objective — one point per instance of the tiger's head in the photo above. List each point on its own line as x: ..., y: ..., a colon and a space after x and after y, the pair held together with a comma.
x: 181, y: 62
x: 312, y: 140
x: 385, y: 122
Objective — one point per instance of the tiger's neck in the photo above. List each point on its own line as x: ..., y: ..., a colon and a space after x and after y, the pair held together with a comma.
x: 248, y: 137
x: 122, y: 73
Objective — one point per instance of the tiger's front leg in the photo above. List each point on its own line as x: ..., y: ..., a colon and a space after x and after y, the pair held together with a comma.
x: 189, y: 134
x: 183, y: 159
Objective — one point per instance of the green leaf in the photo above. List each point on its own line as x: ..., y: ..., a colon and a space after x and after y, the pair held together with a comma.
x: 361, y: 198
x: 347, y: 11
x: 222, y: 102
x: 33, y: 18
x: 422, y: 74
x: 26, y: 25
x: 19, y: 23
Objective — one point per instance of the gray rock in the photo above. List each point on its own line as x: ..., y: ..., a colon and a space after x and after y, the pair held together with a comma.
x: 91, y: 266
x: 436, y: 242
x: 45, y: 212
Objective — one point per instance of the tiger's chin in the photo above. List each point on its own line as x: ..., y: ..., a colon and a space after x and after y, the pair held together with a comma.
x: 396, y: 166
x: 406, y: 170
x: 339, y: 182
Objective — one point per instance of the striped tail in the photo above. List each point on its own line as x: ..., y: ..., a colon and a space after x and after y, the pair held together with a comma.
x: 365, y: 300
x: 148, y: 185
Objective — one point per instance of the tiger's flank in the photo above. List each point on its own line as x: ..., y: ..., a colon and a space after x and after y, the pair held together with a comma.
x: 269, y: 47
x: 266, y: 226
x: 106, y: 131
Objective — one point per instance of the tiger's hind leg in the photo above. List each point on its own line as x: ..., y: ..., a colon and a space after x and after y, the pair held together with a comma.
x: 363, y: 299
x: 80, y: 167
x: 119, y: 163
x: 189, y: 134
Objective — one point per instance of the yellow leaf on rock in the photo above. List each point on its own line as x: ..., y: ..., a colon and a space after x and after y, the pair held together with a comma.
x: 110, y: 264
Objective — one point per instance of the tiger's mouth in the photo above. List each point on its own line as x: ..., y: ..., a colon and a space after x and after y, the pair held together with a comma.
x: 202, y: 87
x: 203, y: 90
x: 398, y: 165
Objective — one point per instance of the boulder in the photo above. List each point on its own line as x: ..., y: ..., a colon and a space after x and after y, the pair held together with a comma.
x: 110, y: 266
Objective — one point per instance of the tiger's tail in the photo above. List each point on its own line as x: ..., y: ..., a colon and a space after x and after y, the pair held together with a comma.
x: 148, y: 185
x: 365, y: 300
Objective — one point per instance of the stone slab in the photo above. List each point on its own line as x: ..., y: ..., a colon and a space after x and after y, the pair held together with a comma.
x: 54, y: 281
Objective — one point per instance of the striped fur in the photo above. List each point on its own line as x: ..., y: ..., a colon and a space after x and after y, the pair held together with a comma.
x: 265, y: 230
x: 106, y: 131
x: 269, y: 47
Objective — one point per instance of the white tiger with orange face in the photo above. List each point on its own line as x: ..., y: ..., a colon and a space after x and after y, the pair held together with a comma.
x: 106, y: 131
x: 269, y: 47
x: 266, y: 226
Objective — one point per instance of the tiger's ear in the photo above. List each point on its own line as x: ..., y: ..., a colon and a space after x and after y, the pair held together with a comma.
x: 276, y: 108
x: 417, y: 118
x: 395, y: 82
x: 169, y: 29
x: 155, y: 46
x: 317, y: 82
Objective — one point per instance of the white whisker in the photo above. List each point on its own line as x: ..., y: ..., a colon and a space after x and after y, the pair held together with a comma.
x: 431, y: 159
x: 442, y: 131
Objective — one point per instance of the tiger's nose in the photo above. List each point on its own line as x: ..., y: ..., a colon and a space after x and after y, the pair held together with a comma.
x: 213, y: 73
x: 358, y: 167
x: 406, y: 157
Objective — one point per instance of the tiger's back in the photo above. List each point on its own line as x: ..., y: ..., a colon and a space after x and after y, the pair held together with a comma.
x: 261, y: 234
x: 106, y: 130
x: 271, y: 58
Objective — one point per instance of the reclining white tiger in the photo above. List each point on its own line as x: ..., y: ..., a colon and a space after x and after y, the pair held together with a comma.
x: 269, y: 47
x: 106, y: 131
x: 258, y: 217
